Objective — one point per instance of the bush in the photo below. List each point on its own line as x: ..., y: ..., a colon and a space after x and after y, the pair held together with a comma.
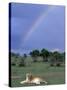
x: 51, y: 64
x: 13, y: 64
x: 58, y: 64
x: 21, y: 62
x: 34, y: 60
x: 21, y: 65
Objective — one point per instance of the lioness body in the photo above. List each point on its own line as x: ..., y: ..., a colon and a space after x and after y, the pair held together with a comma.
x: 32, y: 79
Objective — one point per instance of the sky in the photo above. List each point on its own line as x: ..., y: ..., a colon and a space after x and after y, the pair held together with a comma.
x: 37, y: 26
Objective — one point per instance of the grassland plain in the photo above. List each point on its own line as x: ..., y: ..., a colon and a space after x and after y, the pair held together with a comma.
x: 53, y: 75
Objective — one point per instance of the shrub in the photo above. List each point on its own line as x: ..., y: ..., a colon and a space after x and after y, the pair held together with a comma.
x: 21, y: 62
x: 21, y: 65
x: 13, y: 64
x: 58, y: 64
x: 51, y: 64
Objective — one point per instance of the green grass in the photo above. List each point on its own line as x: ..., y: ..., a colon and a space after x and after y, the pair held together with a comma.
x: 53, y: 75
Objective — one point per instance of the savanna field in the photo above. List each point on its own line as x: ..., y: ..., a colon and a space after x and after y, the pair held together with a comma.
x: 52, y: 74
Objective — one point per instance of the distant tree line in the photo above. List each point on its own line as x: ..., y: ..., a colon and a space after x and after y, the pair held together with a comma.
x: 54, y: 58
x: 17, y: 59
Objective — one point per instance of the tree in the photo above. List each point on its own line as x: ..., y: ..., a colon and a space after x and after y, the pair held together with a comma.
x: 14, y: 58
x: 51, y: 59
x: 44, y: 54
x: 12, y: 54
x: 57, y: 58
x: 21, y: 62
x: 25, y: 56
x: 63, y: 57
x: 34, y: 54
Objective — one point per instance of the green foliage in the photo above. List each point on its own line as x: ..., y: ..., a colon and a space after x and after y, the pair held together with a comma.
x: 34, y: 54
x: 63, y: 57
x: 25, y: 55
x: 52, y: 64
x: 44, y: 53
x: 17, y: 60
x: 56, y: 58
x: 21, y: 61
x: 58, y: 64
x: 38, y: 56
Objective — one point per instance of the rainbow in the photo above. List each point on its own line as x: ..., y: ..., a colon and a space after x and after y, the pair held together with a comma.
x: 37, y: 23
